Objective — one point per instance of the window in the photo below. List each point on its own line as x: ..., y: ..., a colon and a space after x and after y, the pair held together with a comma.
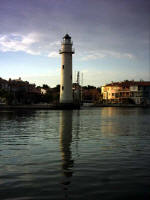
x: 116, y: 95
x: 62, y: 87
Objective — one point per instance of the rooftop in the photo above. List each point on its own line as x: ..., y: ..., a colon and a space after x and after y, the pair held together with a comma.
x: 129, y: 83
x: 66, y: 37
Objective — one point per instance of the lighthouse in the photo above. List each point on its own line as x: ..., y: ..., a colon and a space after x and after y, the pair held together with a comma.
x: 66, y: 52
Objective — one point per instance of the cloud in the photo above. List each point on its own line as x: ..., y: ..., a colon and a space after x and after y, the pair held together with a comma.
x: 104, y: 29
x: 31, y: 43
x: 17, y: 42
x: 93, y: 55
x: 55, y: 43
x: 117, y: 54
x: 53, y: 54
x: 111, y: 24
x: 36, y: 44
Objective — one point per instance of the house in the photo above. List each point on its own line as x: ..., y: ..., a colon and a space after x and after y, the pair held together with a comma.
x: 137, y: 92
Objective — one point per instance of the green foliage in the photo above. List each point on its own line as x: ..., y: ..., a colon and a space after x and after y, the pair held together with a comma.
x: 47, y: 98
x: 99, y: 89
x: 88, y: 87
x: 3, y: 93
x: 45, y: 86
x: 57, y: 88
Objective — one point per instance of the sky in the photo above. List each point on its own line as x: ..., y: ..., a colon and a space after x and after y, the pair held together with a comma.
x: 111, y: 39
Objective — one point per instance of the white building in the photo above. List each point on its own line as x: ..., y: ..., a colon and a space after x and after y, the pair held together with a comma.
x: 66, y: 52
x: 137, y: 92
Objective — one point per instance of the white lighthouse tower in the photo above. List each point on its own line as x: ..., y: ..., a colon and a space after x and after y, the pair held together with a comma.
x: 66, y: 52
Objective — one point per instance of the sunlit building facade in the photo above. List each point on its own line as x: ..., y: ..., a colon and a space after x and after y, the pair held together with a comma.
x: 137, y: 92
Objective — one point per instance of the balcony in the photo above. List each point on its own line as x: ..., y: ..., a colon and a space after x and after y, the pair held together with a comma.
x: 65, y: 51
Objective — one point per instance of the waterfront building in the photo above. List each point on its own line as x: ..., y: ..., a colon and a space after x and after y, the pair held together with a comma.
x: 137, y: 92
x: 3, y: 84
x: 18, y: 91
x: 43, y: 91
x: 66, y: 52
x: 3, y: 89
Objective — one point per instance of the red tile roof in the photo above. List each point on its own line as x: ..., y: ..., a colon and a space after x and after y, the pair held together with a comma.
x: 129, y: 83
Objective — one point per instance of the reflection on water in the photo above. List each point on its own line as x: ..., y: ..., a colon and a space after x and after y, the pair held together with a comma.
x: 92, y: 153
x: 65, y: 146
x: 121, y: 121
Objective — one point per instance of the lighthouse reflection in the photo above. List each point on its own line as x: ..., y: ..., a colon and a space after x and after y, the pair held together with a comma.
x: 65, y: 146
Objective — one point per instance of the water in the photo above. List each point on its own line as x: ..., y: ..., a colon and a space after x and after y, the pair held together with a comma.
x: 93, y: 153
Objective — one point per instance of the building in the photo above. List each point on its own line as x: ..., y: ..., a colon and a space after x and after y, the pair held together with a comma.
x: 3, y: 84
x: 3, y: 90
x: 18, y: 91
x: 43, y: 91
x: 137, y: 92
x: 66, y: 52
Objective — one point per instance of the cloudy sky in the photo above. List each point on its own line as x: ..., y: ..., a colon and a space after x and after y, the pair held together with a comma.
x: 111, y: 39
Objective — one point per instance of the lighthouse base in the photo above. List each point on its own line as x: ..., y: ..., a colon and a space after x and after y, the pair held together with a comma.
x: 62, y: 101
x: 68, y: 106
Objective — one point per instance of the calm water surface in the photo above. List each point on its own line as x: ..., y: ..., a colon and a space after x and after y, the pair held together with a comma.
x: 93, y: 153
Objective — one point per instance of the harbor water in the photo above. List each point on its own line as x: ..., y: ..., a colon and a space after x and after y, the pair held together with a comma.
x: 92, y: 153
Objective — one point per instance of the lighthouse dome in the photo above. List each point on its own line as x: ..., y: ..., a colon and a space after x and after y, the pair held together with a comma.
x: 66, y: 37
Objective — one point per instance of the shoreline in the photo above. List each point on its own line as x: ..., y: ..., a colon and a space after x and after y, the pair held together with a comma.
x: 68, y: 107
x: 41, y: 106
x: 122, y: 105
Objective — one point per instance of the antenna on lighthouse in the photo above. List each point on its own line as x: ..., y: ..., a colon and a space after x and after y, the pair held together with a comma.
x: 75, y: 76
x: 82, y: 87
x: 78, y: 78
x: 82, y: 78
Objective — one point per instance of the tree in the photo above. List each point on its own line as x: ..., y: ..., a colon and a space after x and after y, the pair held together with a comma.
x: 45, y: 86
x: 57, y: 88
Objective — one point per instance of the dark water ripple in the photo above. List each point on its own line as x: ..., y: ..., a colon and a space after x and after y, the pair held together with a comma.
x: 98, y: 153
